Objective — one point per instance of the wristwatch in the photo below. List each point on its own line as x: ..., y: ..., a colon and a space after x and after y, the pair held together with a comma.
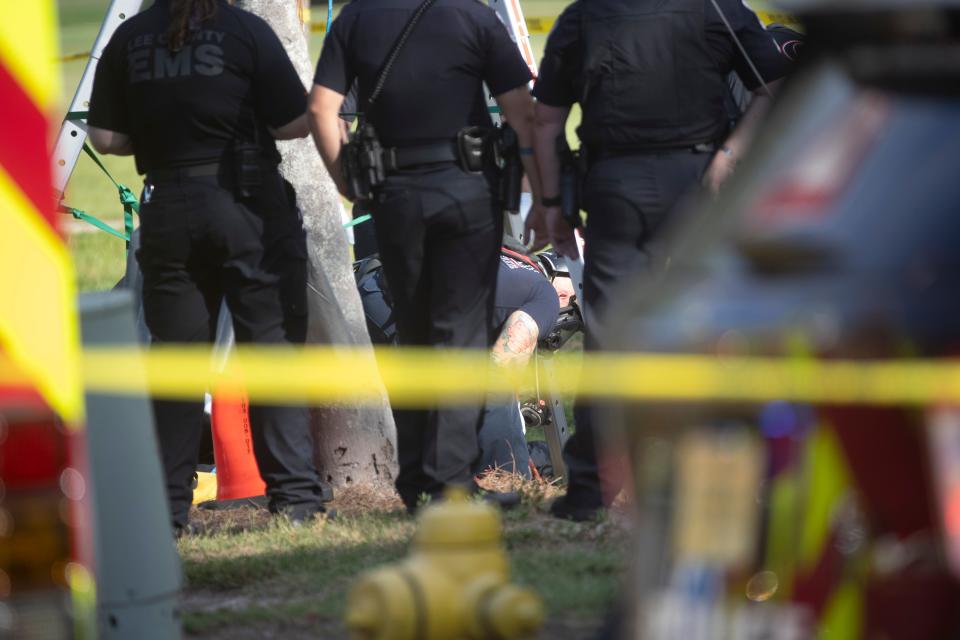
x: 555, y: 201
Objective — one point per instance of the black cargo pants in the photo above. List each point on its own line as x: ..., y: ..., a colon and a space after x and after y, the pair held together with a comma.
x: 199, y: 245
x: 628, y: 199
x: 439, y: 231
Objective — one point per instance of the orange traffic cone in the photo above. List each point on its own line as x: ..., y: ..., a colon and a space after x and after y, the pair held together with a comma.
x: 237, y: 473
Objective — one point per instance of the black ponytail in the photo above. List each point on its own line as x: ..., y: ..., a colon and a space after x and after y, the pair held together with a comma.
x: 186, y: 17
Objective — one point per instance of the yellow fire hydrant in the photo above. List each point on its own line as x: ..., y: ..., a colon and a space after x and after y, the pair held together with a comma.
x: 454, y: 586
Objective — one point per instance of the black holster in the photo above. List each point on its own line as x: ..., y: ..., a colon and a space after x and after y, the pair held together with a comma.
x: 473, y: 148
x: 511, y: 169
x: 247, y: 168
x: 571, y: 181
x: 362, y: 163
x: 481, y: 149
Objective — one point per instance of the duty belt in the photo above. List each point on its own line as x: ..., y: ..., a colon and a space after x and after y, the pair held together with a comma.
x: 396, y: 158
x: 595, y: 154
x: 176, y: 173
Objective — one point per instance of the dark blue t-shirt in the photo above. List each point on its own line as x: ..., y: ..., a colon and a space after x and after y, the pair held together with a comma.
x: 522, y: 287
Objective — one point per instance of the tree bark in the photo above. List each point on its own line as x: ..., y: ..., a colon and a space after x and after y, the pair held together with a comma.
x: 353, y: 444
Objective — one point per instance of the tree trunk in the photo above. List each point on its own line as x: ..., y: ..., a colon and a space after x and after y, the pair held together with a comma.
x: 353, y: 444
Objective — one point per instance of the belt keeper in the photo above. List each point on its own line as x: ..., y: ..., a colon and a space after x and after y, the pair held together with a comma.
x: 390, y: 159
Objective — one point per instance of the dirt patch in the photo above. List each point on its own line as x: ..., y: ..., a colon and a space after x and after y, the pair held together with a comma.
x: 366, y: 499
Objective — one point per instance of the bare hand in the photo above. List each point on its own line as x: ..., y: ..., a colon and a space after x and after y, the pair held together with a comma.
x: 721, y: 168
x: 535, y: 233
x: 561, y: 234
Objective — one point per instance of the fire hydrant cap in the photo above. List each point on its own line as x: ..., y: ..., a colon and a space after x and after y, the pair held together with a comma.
x: 380, y: 607
x: 458, y: 521
x: 516, y: 613
x: 365, y: 614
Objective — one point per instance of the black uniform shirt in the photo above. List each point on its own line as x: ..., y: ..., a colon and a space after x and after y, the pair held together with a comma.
x: 435, y: 88
x: 559, y: 72
x: 189, y: 107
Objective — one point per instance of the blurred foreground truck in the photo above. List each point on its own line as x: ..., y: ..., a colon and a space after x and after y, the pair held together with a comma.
x: 838, y: 239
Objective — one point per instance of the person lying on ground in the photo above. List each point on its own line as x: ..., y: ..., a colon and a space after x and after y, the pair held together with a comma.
x: 529, y: 296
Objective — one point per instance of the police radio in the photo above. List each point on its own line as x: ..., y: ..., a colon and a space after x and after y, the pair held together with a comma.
x: 247, y: 168
x: 570, y: 181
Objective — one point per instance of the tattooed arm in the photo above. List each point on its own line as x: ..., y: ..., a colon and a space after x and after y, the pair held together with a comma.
x: 517, y: 340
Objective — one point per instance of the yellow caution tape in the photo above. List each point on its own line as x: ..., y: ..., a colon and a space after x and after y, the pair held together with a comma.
x: 541, y: 25
x: 419, y: 377
x: 75, y: 56
x: 769, y: 17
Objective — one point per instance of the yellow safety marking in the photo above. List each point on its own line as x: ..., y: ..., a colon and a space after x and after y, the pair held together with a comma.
x: 38, y: 328
x: 417, y: 377
x: 827, y: 482
x: 783, y: 507
x: 28, y: 40
x: 844, y: 613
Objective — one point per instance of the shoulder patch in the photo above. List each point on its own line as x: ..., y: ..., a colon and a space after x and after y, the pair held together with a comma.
x: 512, y: 263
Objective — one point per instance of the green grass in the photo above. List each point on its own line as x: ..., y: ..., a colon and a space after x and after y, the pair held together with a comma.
x: 289, y: 578
x: 103, y: 259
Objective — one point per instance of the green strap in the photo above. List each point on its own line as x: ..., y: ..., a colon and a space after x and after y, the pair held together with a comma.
x: 130, y: 202
x: 357, y: 220
x: 93, y: 156
x: 99, y: 224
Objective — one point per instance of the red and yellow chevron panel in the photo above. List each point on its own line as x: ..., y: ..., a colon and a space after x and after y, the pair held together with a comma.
x: 39, y: 336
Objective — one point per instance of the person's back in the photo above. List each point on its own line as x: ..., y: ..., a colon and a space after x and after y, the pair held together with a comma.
x: 435, y: 201
x: 436, y: 87
x: 650, y: 78
x: 202, y: 96
x: 183, y: 87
